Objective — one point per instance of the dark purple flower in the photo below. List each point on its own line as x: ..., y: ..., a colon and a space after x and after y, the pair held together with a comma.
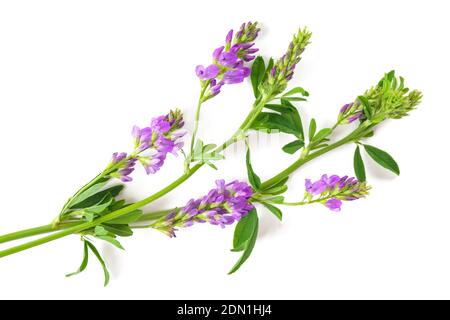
x: 223, y: 205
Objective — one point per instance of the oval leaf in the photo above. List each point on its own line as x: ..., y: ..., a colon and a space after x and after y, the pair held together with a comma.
x: 293, y: 146
x: 358, y: 164
x: 382, y: 158
x: 258, y: 72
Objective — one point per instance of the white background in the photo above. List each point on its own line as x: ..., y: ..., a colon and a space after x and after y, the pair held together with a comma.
x: 76, y: 75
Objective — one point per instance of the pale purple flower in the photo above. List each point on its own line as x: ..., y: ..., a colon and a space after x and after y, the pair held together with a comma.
x: 207, y: 73
x: 236, y: 75
x: 118, y: 157
x: 223, y: 205
x: 125, y: 169
x: 332, y: 190
x: 152, y: 144
x: 334, y: 204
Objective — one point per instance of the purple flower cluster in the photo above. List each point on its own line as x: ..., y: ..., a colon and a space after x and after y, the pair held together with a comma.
x: 349, y: 113
x: 222, y: 206
x: 332, y: 190
x: 228, y: 65
x: 151, y: 146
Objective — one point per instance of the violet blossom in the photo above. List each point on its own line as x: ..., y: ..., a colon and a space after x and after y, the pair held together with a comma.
x: 223, y: 205
x: 332, y: 190
x: 228, y: 65
x: 151, y: 146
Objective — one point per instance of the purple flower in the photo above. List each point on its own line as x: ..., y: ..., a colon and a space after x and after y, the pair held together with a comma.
x: 334, y: 204
x: 207, y: 73
x: 151, y: 146
x: 223, y: 205
x: 349, y: 113
x: 332, y: 190
x: 236, y: 75
x: 356, y: 116
x: 229, y: 37
x: 118, y: 157
x: 125, y: 169
x: 229, y: 60
x: 215, y: 87
x: 345, y: 108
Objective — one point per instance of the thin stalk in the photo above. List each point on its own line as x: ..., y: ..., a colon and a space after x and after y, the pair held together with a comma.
x: 87, y: 225
x: 300, y: 162
x: 197, y: 116
x: 35, y: 231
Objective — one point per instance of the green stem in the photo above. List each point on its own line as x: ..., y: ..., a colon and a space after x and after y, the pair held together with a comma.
x: 87, y: 225
x: 197, y: 116
x: 34, y: 231
x: 300, y: 162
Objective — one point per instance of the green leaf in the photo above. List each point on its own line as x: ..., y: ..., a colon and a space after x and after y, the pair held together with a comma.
x: 121, y: 230
x: 244, y: 230
x: 209, y: 147
x: 88, y: 193
x: 258, y: 72
x: 366, y: 106
x: 279, y: 183
x: 277, y: 199
x: 382, y: 158
x: 296, y: 90
x: 100, y: 259
x: 211, y: 165
x: 292, y: 113
x: 276, y: 212
x: 116, y: 205
x: 129, y: 218
x: 99, y: 197
x: 322, y: 134
x: 249, y: 245
x: 100, y: 231
x: 293, y: 99
x: 276, y: 190
x: 294, y: 146
x: 312, y: 129
x: 84, y: 263
x: 358, y: 164
x: 253, y: 178
x: 286, y: 119
x: 112, y: 241
x: 102, y: 206
x: 268, y: 69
